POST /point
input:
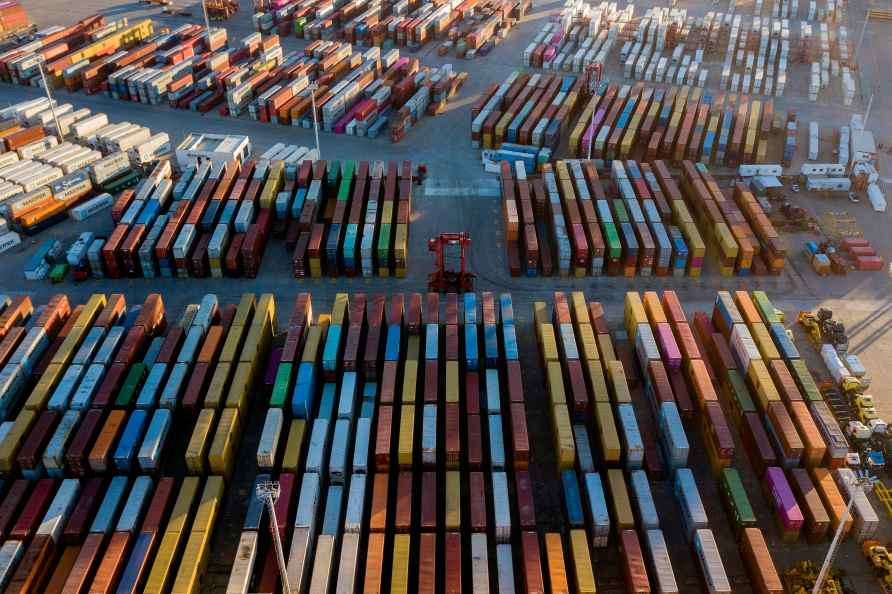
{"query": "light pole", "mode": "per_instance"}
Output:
(593, 80)
(856, 485)
(268, 493)
(49, 97)
(207, 21)
(313, 88)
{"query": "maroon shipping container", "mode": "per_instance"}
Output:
(157, 511)
(29, 456)
(626, 354)
(722, 357)
(82, 514)
(475, 443)
(431, 313)
(578, 391)
(403, 510)
(714, 419)
(472, 392)
(87, 560)
(515, 381)
(532, 564)
(526, 510)
(452, 560)
(15, 498)
(33, 569)
(388, 382)
(413, 314)
(451, 343)
(195, 389)
(659, 381)
(520, 439)
(756, 443)
(372, 351)
(681, 393)
(452, 439)
(171, 345)
(351, 348)
(634, 567)
(383, 439)
(427, 564)
(477, 500)
(36, 505)
(451, 311)
(431, 381)
(429, 501)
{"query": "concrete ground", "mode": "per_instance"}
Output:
(459, 196)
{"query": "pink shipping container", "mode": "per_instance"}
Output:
(789, 516)
(668, 346)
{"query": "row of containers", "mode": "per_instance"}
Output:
(620, 121)
(215, 218)
(469, 27)
(108, 535)
(640, 438)
(363, 93)
(44, 180)
(412, 468)
(97, 394)
(563, 222)
(653, 46)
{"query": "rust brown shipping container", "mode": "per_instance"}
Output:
(817, 520)
(111, 564)
(378, 514)
(76, 455)
(754, 551)
(452, 436)
(32, 570)
(403, 509)
(475, 442)
(99, 458)
(427, 564)
(452, 560)
(383, 439)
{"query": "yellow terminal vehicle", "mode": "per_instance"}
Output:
(880, 560)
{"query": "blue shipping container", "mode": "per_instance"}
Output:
(644, 501)
(431, 341)
(304, 388)
(572, 499)
(125, 454)
(472, 356)
(394, 338)
(105, 516)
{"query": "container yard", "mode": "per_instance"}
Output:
(636, 340)
(360, 93)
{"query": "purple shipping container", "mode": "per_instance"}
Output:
(269, 375)
(785, 504)
(668, 347)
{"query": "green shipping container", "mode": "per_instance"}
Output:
(611, 238)
(737, 501)
(132, 384)
(384, 245)
(620, 214)
(299, 25)
(281, 386)
(766, 309)
(739, 393)
(333, 178)
(805, 381)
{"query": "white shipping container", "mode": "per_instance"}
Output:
(353, 520)
(302, 546)
(501, 507)
(60, 508)
(660, 562)
(479, 564)
(243, 564)
(348, 564)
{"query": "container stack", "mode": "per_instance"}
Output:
(526, 110)
(337, 218)
(565, 221)
(376, 408)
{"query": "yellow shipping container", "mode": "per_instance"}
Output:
(579, 308)
(608, 436)
(294, 446)
(91, 310)
(221, 456)
(565, 445)
(654, 308)
(242, 385)
(45, 385)
(70, 344)
(208, 505)
(680, 213)
(232, 344)
(245, 311)
(605, 345)
(275, 178)
(312, 345)
(399, 577)
(541, 314)
(582, 562)
(452, 381)
(410, 381)
(619, 499)
(762, 384)
(193, 561)
(217, 390)
(616, 375)
(633, 314)
(413, 348)
(453, 500)
(554, 380)
(200, 441)
(14, 439)
(187, 495)
(257, 341)
(162, 567)
(267, 304)
(764, 342)
(405, 448)
(549, 342)
(339, 309)
(596, 380)
(588, 344)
